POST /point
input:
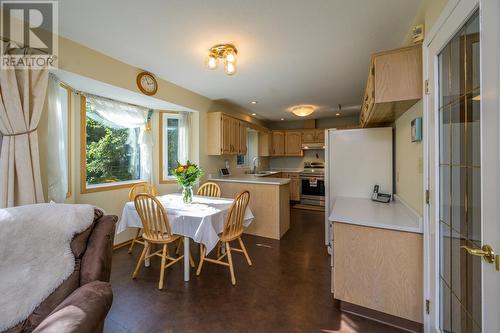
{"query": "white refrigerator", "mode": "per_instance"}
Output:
(356, 160)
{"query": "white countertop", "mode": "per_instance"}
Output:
(269, 180)
(396, 215)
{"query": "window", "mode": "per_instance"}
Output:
(110, 143)
(174, 131)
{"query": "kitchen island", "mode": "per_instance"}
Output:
(269, 202)
(378, 260)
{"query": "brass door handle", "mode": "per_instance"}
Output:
(486, 252)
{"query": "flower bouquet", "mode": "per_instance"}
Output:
(187, 175)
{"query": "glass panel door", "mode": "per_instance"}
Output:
(460, 181)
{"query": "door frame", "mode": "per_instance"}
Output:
(452, 18)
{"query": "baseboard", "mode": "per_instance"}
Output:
(122, 244)
(401, 323)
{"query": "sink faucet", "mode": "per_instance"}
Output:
(255, 159)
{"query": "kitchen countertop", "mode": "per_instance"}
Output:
(396, 215)
(269, 180)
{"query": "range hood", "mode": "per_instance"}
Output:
(313, 146)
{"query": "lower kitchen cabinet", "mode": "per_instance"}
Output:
(294, 184)
(379, 269)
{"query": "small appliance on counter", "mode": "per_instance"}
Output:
(380, 197)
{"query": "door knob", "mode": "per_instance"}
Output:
(486, 252)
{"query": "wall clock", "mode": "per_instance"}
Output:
(147, 84)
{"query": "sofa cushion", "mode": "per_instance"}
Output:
(83, 311)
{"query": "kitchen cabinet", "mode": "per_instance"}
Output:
(264, 143)
(225, 135)
(242, 149)
(278, 143)
(293, 143)
(394, 84)
(313, 136)
(362, 255)
(294, 185)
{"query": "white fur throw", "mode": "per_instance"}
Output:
(35, 254)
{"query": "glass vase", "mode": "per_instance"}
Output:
(187, 194)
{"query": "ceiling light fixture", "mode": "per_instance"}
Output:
(254, 114)
(253, 102)
(226, 53)
(302, 110)
(340, 109)
(282, 119)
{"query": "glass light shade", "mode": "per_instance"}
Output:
(231, 57)
(230, 68)
(302, 111)
(212, 62)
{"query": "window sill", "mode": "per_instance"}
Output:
(110, 187)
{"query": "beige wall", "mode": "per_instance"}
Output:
(409, 156)
(78, 59)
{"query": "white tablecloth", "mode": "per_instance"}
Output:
(202, 220)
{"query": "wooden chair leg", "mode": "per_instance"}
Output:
(230, 260)
(191, 260)
(202, 258)
(242, 246)
(162, 269)
(141, 259)
(179, 246)
(134, 240)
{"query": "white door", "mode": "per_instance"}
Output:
(462, 168)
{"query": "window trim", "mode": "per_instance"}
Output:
(83, 159)
(69, 92)
(160, 129)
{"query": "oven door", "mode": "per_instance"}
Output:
(312, 192)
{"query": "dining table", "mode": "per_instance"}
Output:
(202, 220)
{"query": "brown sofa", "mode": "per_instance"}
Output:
(81, 303)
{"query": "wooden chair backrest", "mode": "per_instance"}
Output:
(153, 216)
(142, 188)
(234, 221)
(209, 189)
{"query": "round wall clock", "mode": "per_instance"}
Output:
(146, 83)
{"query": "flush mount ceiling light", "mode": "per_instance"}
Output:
(302, 110)
(225, 53)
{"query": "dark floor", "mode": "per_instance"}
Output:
(286, 290)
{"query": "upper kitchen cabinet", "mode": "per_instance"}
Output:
(242, 138)
(394, 85)
(264, 143)
(277, 143)
(225, 135)
(293, 143)
(313, 136)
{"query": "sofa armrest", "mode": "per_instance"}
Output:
(96, 261)
(81, 312)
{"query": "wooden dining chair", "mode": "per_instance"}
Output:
(233, 228)
(209, 189)
(136, 189)
(156, 231)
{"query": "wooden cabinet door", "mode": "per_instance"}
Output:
(264, 144)
(320, 135)
(294, 186)
(243, 139)
(278, 139)
(293, 143)
(226, 134)
(235, 135)
(309, 136)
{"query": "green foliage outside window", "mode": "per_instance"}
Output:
(110, 157)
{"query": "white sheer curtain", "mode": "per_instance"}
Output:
(184, 133)
(57, 141)
(122, 115)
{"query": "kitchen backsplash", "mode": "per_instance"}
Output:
(296, 162)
